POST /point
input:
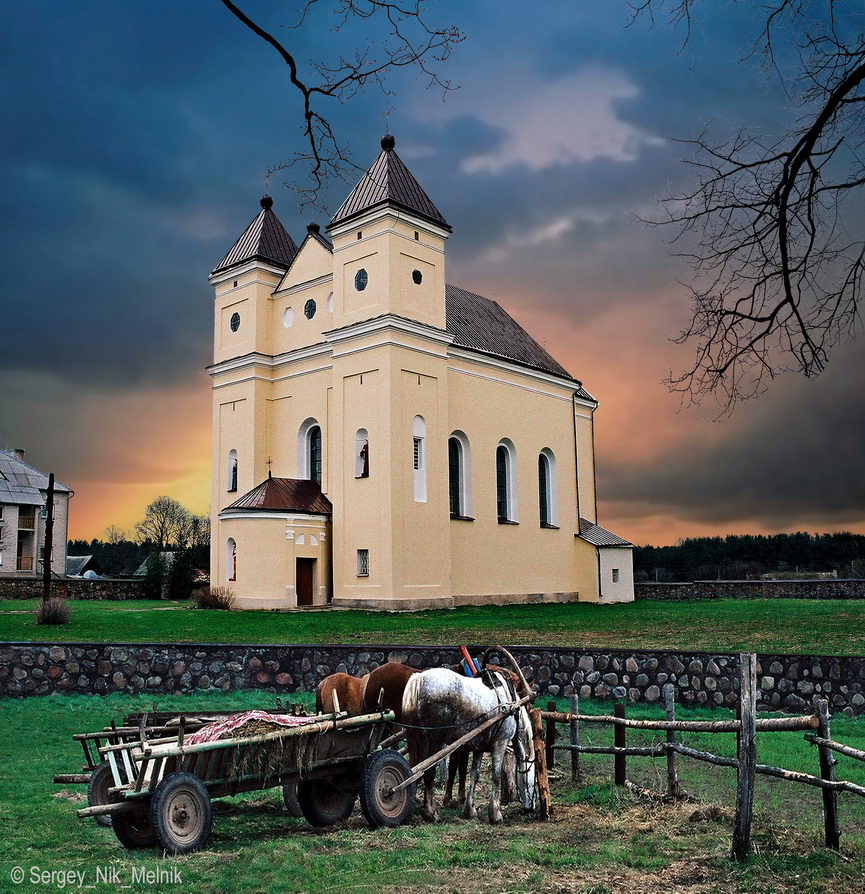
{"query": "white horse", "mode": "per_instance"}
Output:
(439, 706)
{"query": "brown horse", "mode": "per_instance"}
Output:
(387, 683)
(348, 691)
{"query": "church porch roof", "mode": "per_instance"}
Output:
(284, 495)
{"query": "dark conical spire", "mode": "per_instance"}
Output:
(389, 182)
(265, 239)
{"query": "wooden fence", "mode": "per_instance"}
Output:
(746, 726)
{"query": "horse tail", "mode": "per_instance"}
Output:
(411, 695)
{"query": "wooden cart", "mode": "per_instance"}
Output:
(162, 787)
(96, 771)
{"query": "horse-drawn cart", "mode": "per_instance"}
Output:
(161, 788)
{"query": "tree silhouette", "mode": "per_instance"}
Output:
(768, 227)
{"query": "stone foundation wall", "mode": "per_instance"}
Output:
(785, 682)
(853, 588)
(72, 588)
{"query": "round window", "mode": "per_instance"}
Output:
(234, 322)
(417, 277)
(361, 278)
(309, 309)
(288, 317)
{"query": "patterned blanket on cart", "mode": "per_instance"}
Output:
(256, 721)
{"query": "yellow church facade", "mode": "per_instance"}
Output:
(385, 440)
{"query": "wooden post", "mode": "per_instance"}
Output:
(575, 738)
(550, 737)
(619, 742)
(746, 770)
(672, 756)
(49, 538)
(545, 809)
(827, 771)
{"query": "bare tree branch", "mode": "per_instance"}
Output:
(410, 40)
(778, 273)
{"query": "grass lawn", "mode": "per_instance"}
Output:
(601, 841)
(827, 627)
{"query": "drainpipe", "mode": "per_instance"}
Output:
(576, 454)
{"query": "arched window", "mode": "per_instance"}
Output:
(231, 560)
(232, 470)
(418, 441)
(506, 478)
(309, 452)
(547, 494)
(361, 454)
(460, 475)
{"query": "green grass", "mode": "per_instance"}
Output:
(829, 627)
(601, 840)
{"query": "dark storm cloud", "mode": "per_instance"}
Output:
(794, 459)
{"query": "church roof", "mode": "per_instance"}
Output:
(285, 495)
(265, 239)
(388, 182)
(598, 536)
(483, 325)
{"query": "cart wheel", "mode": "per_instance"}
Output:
(326, 801)
(289, 796)
(97, 791)
(180, 813)
(132, 828)
(381, 806)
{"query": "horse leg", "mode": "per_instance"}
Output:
(428, 811)
(453, 764)
(464, 769)
(509, 782)
(497, 757)
(469, 811)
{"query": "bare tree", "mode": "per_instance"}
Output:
(768, 226)
(410, 40)
(114, 534)
(166, 522)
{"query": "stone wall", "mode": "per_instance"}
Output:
(72, 588)
(853, 588)
(785, 682)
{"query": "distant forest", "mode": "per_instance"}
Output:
(748, 556)
(123, 558)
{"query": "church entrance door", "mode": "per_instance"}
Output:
(304, 578)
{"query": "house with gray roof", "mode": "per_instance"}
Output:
(23, 512)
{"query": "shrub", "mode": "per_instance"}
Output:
(221, 598)
(52, 610)
(181, 576)
(154, 576)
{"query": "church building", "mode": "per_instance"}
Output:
(385, 440)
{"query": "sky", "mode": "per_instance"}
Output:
(136, 142)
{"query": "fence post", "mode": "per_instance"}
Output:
(672, 756)
(550, 737)
(543, 783)
(619, 742)
(746, 770)
(827, 771)
(575, 738)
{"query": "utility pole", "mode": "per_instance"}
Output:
(49, 539)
